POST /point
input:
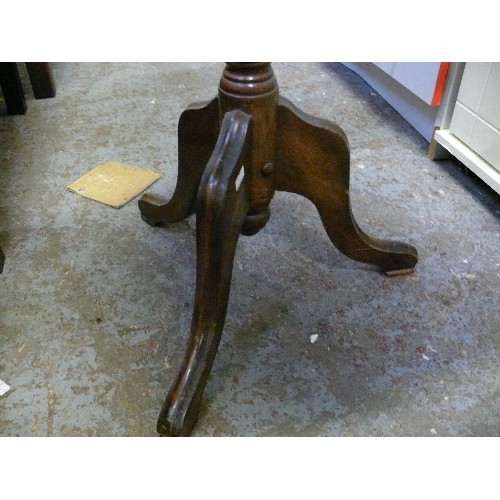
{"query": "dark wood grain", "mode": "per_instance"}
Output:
(221, 211)
(252, 87)
(197, 134)
(313, 161)
(278, 148)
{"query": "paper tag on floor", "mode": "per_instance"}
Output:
(114, 183)
(3, 387)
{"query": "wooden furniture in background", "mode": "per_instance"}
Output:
(12, 89)
(234, 153)
(41, 81)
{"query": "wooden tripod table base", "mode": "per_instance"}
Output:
(234, 153)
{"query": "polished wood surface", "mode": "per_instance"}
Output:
(313, 161)
(221, 210)
(252, 87)
(198, 130)
(228, 174)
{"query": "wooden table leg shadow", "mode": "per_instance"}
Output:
(234, 153)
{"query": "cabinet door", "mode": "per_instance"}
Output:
(425, 79)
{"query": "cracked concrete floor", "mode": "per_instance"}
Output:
(96, 305)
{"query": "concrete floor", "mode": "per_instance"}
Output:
(96, 305)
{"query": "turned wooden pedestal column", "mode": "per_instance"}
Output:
(234, 153)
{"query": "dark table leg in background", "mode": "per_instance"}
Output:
(12, 88)
(41, 80)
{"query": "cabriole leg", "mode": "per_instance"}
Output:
(222, 206)
(313, 161)
(198, 130)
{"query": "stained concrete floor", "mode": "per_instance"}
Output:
(96, 305)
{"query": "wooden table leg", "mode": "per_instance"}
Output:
(278, 148)
(313, 161)
(41, 80)
(221, 210)
(198, 130)
(12, 88)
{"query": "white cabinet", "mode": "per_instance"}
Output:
(455, 106)
(424, 79)
(413, 89)
(470, 120)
